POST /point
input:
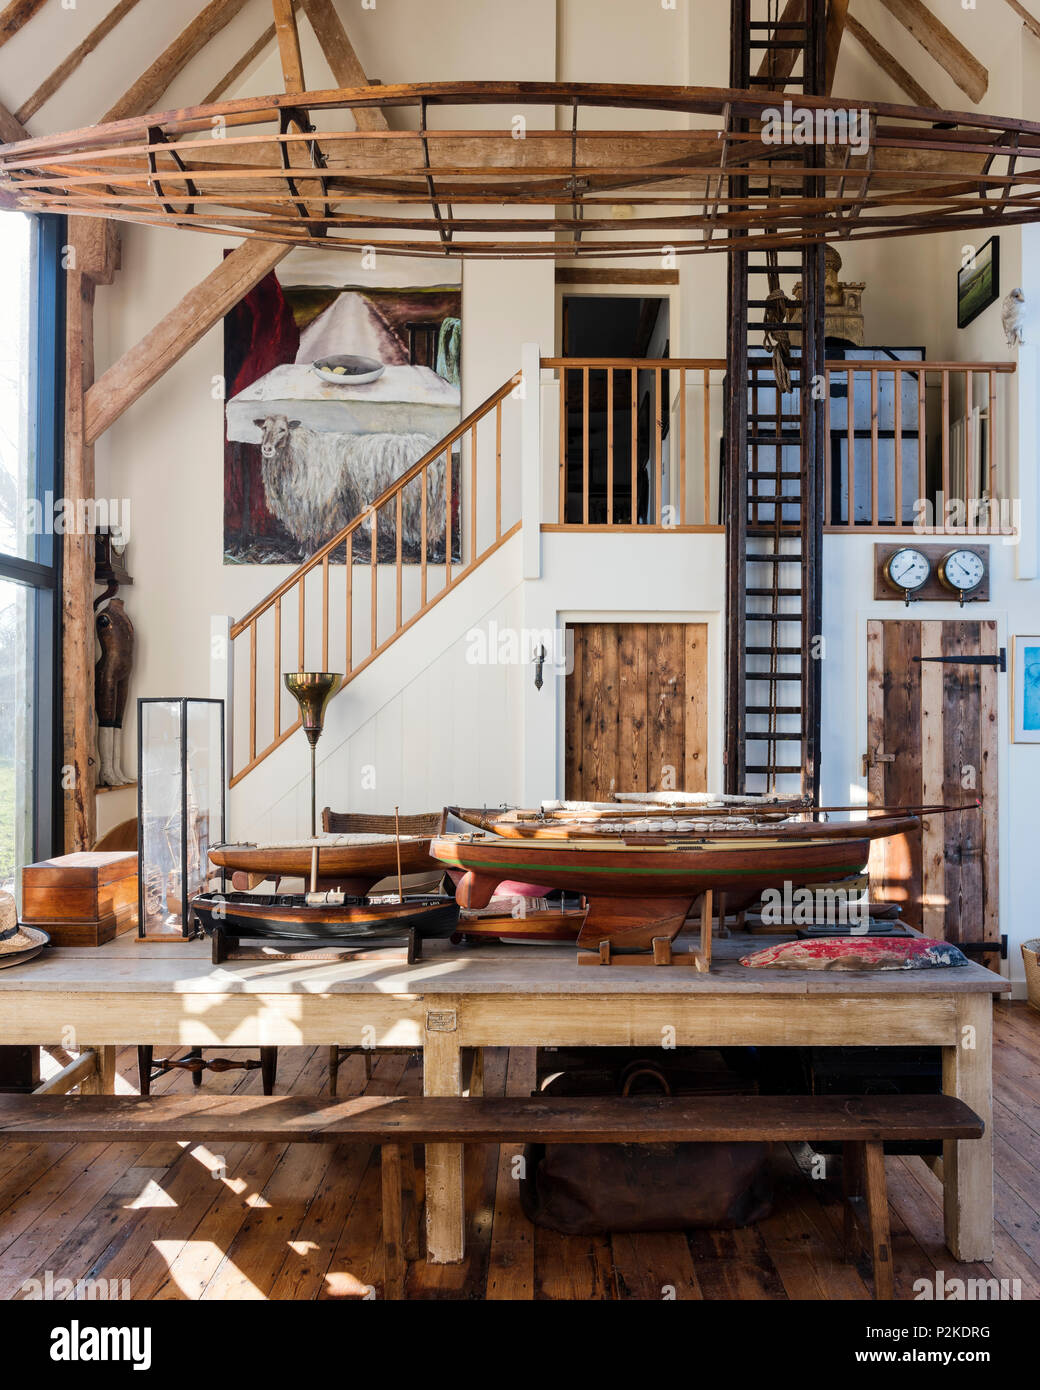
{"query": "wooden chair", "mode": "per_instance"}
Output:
(148, 1069)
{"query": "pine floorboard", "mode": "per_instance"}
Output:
(303, 1221)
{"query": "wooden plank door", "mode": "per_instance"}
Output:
(931, 730)
(636, 709)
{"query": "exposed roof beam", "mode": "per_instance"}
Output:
(64, 71)
(837, 14)
(341, 58)
(11, 129)
(780, 63)
(1031, 23)
(149, 88)
(13, 16)
(200, 309)
(937, 41)
(248, 58)
(887, 63)
(288, 45)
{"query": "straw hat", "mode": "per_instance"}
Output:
(15, 941)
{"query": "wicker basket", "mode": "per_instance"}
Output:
(1031, 956)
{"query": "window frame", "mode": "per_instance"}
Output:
(42, 575)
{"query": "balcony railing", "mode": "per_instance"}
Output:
(639, 443)
(923, 446)
(916, 445)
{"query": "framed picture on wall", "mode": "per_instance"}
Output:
(338, 380)
(978, 283)
(1025, 689)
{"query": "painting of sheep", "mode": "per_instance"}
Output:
(305, 456)
(317, 481)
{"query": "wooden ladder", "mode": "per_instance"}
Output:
(775, 446)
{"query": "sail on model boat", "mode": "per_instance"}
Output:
(642, 885)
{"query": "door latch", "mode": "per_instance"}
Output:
(875, 756)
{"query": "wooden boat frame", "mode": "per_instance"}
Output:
(277, 177)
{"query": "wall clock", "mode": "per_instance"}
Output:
(906, 570)
(961, 571)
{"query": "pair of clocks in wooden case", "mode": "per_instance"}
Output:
(908, 570)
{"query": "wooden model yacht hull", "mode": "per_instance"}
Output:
(641, 890)
(352, 868)
(290, 917)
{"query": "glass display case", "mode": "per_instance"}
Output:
(180, 807)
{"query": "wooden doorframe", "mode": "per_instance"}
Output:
(716, 676)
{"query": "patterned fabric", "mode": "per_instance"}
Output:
(858, 953)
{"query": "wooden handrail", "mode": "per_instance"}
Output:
(395, 487)
(708, 363)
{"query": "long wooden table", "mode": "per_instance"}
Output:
(517, 996)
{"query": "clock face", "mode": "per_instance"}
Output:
(962, 570)
(908, 568)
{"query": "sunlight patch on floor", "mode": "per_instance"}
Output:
(343, 1285)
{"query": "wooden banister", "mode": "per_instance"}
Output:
(387, 512)
(385, 496)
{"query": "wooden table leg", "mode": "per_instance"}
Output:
(442, 1076)
(393, 1232)
(103, 1080)
(876, 1191)
(968, 1163)
(852, 1188)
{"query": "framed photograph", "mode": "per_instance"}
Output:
(978, 284)
(1025, 689)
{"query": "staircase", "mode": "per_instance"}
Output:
(775, 449)
(356, 596)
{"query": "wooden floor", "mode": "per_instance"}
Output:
(303, 1221)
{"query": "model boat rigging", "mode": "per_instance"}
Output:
(641, 882)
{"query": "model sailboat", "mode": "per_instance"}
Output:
(642, 870)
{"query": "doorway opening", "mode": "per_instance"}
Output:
(621, 413)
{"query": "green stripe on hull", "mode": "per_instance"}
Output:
(535, 869)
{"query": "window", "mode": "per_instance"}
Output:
(31, 394)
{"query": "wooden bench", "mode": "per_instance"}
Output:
(860, 1123)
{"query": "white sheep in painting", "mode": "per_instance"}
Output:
(316, 481)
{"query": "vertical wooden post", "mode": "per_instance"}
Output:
(442, 1076)
(393, 1233)
(531, 459)
(968, 1163)
(92, 259)
(102, 1081)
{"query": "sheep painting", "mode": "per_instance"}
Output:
(317, 481)
(305, 456)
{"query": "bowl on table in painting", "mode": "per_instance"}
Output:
(348, 370)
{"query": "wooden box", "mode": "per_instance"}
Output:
(81, 899)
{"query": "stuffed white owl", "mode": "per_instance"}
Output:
(1012, 316)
